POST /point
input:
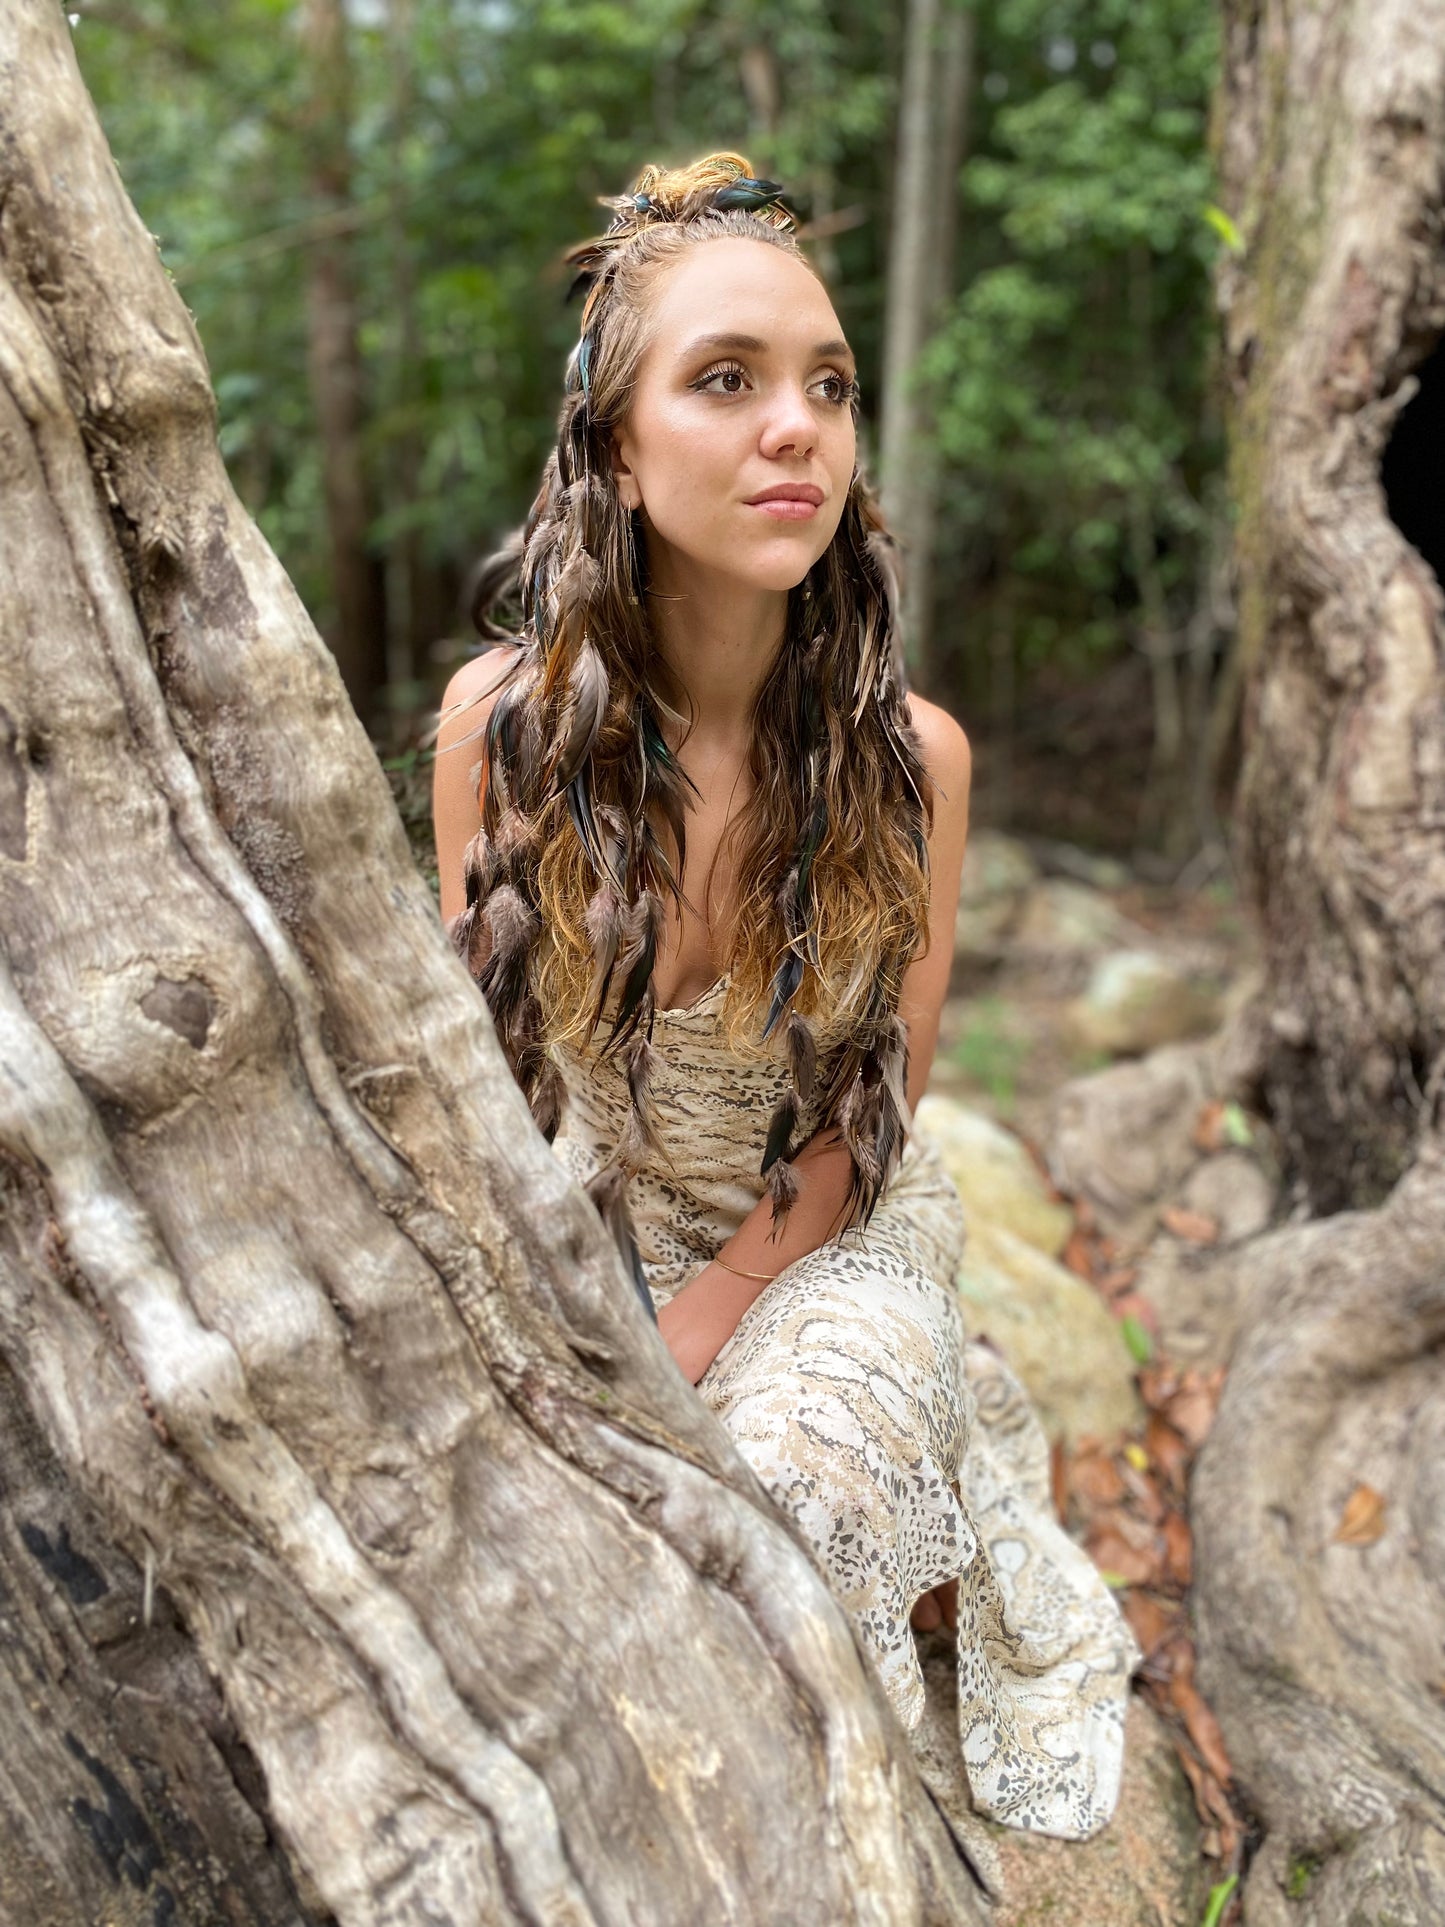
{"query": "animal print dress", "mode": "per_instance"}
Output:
(907, 1453)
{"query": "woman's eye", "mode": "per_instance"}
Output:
(844, 387)
(730, 371)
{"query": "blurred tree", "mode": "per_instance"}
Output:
(358, 634)
(932, 129)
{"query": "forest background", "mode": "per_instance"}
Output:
(363, 203)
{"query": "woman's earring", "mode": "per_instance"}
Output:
(632, 551)
(808, 586)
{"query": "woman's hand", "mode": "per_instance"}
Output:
(936, 1607)
(689, 1332)
(697, 1321)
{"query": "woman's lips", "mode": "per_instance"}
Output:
(786, 508)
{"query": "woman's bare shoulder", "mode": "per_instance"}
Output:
(468, 698)
(945, 748)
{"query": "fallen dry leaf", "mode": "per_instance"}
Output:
(1112, 1551)
(1211, 1802)
(1158, 1382)
(1078, 1254)
(1150, 1618)
(1144, 1490)
(1114, 1283)
(1178, 1549)
(1208, 1132)
(1201, 1726)
(1094, 1479)
(1059, 1479)
(1193, 1226)
(1190, 1410)
(1169, 1452)
(1363, 1520)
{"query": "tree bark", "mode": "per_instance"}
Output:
(1322, 1653)
(309, 1342)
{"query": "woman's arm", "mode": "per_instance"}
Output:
(456, 810)
(697, 1320)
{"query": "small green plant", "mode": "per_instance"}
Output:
(989, 1053)
(1219, 1900)
(1136, 1337)
(1302, 1870)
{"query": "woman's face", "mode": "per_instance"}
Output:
(744, 387)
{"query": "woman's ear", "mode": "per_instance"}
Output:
(628, 493)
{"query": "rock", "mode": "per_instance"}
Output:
(1135, 1001)
(1053, 1329)
(996, 1177)
(1144, 1869)
(1061, 916)
(1087, 866)
(1198, 1294)
(1122, 1137)
(1235, 1190)
(997, 873)
(995, 865)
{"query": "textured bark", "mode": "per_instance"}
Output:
(1331, 143)
(1323, 1658)
(301, 1317)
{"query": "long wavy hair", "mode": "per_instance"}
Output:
(585, 805)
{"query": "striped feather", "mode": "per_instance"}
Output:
(607, 1189)
(785, 985)
(781, 1127)
(588, 683)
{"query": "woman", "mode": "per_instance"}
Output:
(711, 904)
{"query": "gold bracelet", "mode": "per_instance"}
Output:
(763, 1277)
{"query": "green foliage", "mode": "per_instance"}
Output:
(990, 1049)
(1068, 371)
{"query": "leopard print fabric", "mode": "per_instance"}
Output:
(908, 1453)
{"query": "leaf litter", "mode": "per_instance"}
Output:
(1127, 1496)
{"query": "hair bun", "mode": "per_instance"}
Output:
(722, 183)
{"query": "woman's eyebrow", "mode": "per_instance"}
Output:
(753, 344)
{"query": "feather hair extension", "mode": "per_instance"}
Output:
(783, 1189)
(781, 1127)
(607, 1189)
(785, 986)
(640, 1138)
(603, 924)
(576, 591)
(582, 810)
(642, 929)
(588, 683)
(802, 1055)
(548, 1099)
(669, 783)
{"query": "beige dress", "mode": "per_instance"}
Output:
(908, 1453)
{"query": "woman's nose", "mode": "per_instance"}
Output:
(791, 423)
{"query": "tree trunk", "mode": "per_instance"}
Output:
(909, 286)
(310, 1347)
(957, 32)
(1323, 1653)
(358, 583)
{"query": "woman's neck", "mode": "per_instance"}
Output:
(720, 639)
